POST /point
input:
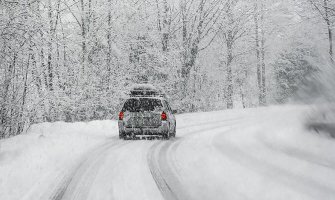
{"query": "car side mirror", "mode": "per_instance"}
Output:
(174, 111)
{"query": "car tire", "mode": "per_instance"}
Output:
(122, 135)
(166, 136)
(174, 130)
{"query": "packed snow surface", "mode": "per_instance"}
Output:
(263, 153)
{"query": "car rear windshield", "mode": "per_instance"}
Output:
(142, 104)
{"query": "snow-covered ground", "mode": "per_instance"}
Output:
(263, 153)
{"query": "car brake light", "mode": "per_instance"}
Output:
(121, 115)
(163, 116)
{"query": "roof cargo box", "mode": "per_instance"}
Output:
(145, 90)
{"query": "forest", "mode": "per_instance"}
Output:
(73, 60)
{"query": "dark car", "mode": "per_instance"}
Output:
(146, 113)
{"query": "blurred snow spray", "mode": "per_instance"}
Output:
(319, 92)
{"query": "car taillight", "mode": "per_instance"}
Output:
(121, 115)
(163, 116)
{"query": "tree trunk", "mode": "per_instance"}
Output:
(6, 95)
(83, 35)
(109, 40)
(34, 72)
(258, 54)
(11, 115)
(49, 62)
(190, 45)
(229, 43)
(184, 75)
(242, 96)
(166, 24)
(329, 27)
(21, 120)
(230, 88)
(263, 92)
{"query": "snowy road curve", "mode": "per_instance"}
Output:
(253, 154)
(88, 180)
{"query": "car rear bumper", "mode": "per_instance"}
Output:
(138, 131)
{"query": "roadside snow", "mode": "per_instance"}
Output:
(45, 152)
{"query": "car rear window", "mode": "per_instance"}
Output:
(142, 104)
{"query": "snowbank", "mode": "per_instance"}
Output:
(45, 151)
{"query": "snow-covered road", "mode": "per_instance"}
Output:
(241, 154)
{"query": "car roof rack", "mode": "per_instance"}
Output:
(146, 94)
(145, 90)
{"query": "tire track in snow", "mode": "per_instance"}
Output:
(84, 167)
(167, 182)
(71, 185)
(164, 171)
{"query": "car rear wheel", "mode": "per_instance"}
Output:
(122, 135)
(173, 132)
(166, 136)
